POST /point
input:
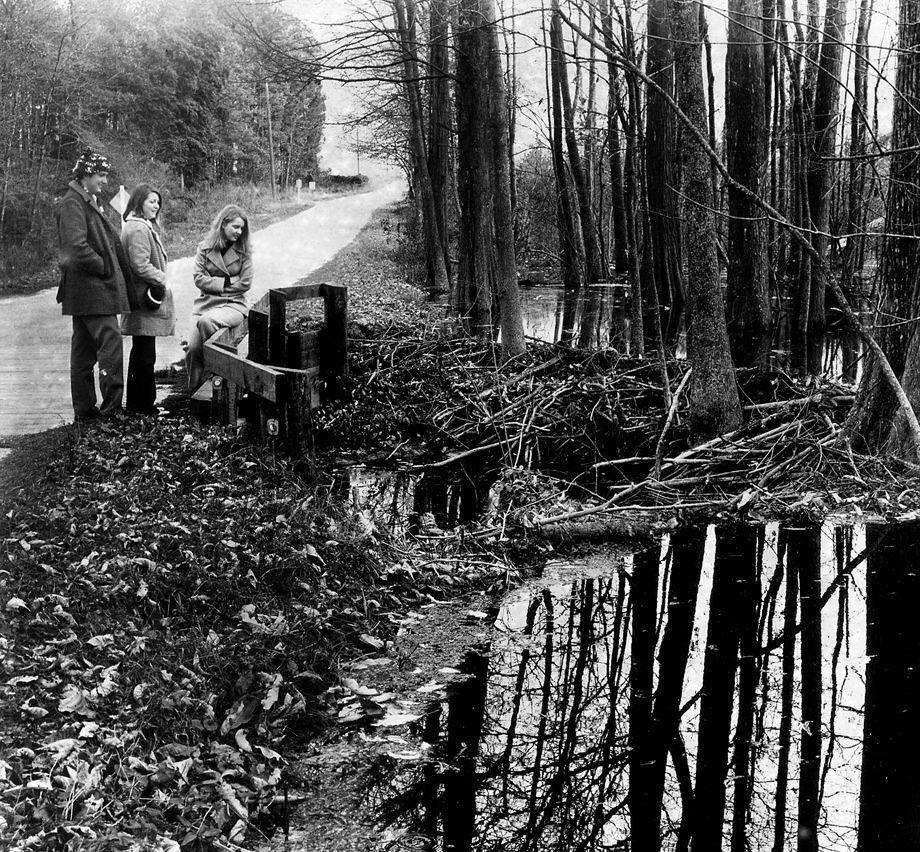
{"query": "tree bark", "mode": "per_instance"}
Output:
(474, 170)
(714, 404)
(593, 271)
(876, 423)
(659, 147)
(614, 108)
(509, 296)
(434, 252)
(570, 238)
(747, 297)
(821, 135)
(439, 119)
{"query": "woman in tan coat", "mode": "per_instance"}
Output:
(155, 315)
(223, 274)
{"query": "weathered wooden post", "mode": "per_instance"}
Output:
(258, 336)
(277, 320)
(334, 351)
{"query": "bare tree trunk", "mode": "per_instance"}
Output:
(821, 149)
(747, 297)
(434, 251)
(875, 422)
(473, 169)
(659, 152)
(714, 404)
(509, 296)
(593, 270)
(617, 197)
(439, 123)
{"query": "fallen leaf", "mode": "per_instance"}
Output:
(392, 720)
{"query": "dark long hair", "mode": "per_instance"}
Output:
(214, 238)
(137, 199)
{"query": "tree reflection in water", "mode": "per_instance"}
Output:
(709, 693)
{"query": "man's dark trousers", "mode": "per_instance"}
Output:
(91, 335)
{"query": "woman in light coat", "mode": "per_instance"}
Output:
(223, 274)
(155, 315)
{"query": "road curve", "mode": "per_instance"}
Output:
(35, 338)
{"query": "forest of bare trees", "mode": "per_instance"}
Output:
(744, 172)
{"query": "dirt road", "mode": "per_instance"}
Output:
(35, 338)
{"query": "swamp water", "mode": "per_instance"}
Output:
(785, 658)
(598, 317)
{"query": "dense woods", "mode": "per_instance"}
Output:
(176, 93)
(730, 194)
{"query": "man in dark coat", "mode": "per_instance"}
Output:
(93, 289)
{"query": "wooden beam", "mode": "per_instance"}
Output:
(297, 292)
(244, 373)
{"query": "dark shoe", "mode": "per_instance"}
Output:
(87, 416)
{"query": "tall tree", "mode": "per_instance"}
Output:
(439, 118)
(589, 239)
(434, 247)
(822, 132)
(714, 404)
(663, 271)
(474, 157)
(509, 296)
(747, 297)
(877, 422)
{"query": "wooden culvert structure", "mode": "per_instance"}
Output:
(286, 374)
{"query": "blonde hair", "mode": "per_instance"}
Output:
(214, 239)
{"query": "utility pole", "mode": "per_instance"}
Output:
(358, 147)
(271, 141)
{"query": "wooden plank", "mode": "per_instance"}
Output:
(258, 336)
(297, 292)
(261, 380)
(334, 353)
(277, 320)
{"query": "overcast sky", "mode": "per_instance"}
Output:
(329, 18)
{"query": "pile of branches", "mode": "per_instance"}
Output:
(598, 422)
(442, 399)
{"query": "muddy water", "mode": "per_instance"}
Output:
(733, 687)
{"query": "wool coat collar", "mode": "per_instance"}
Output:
(77, 187)
(133, 217)
(225, 260)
